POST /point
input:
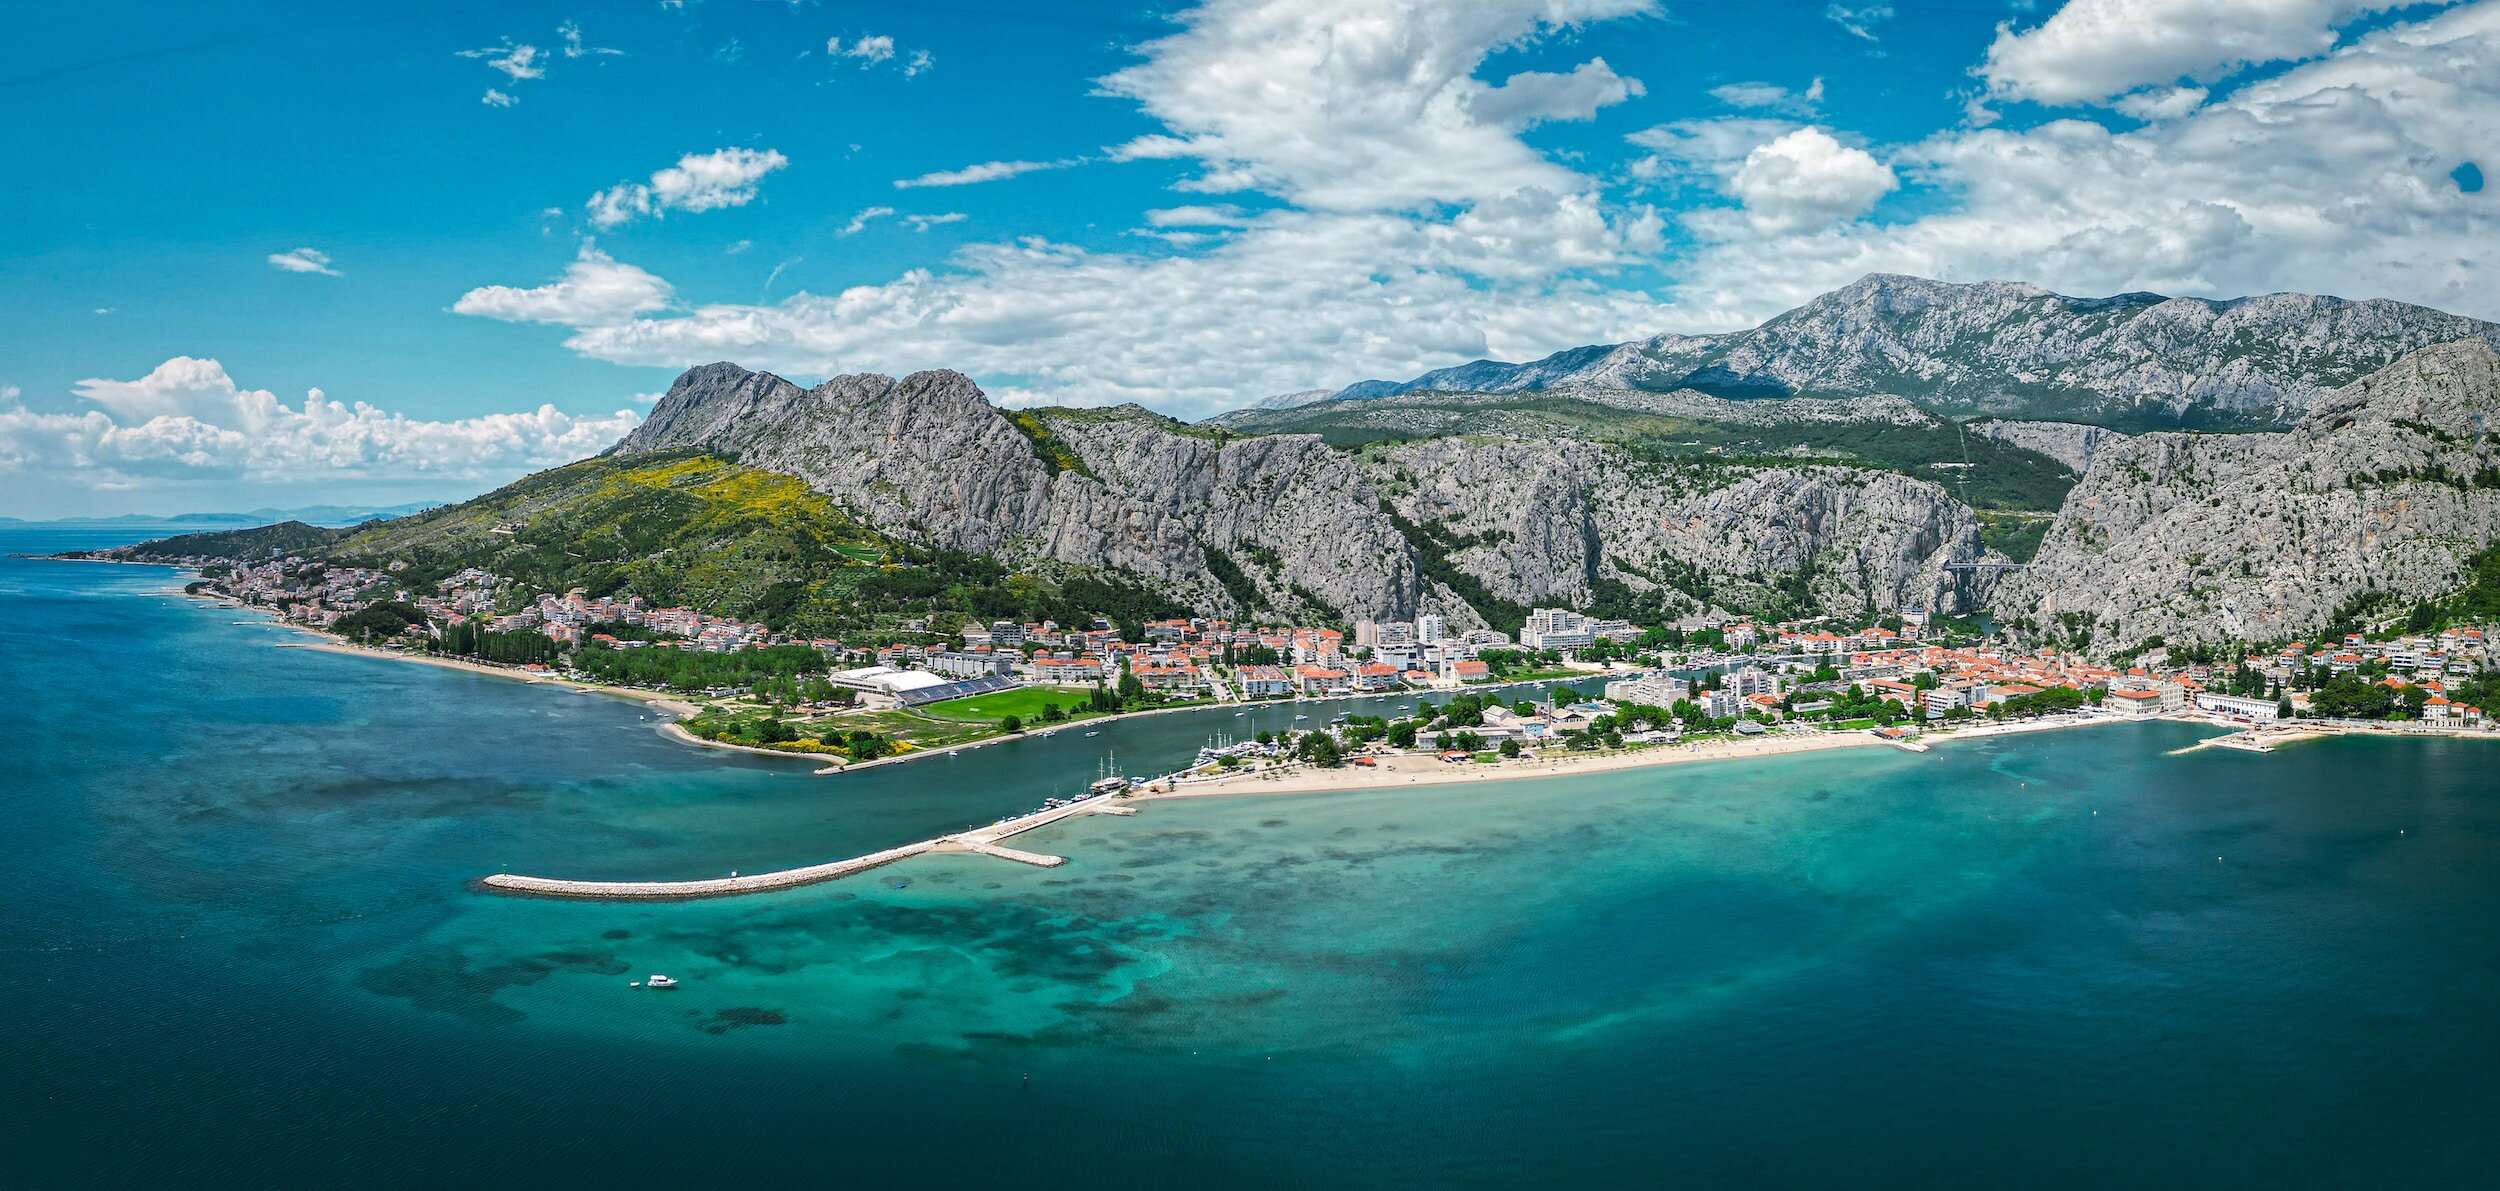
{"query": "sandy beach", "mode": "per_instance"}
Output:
(1427, 769)
(662, 700)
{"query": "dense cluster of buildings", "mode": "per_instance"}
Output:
(1759, 672)
(567, 618)
(302, 595)
(1934, 681)
(1211, 656)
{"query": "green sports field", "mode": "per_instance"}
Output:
(1024, 702)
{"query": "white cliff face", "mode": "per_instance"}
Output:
(1539, 520)
(925, 457)
(2070, 443)
(2001, 348)
(2385, 485)
(1552, 519)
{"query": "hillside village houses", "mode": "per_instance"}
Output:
(1765, 671)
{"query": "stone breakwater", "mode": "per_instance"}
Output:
(716, 887)
(981, 841)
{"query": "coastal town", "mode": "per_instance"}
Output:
(1706, 677)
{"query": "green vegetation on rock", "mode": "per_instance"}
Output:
(1047, 447)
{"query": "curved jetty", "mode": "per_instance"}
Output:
(982, 841)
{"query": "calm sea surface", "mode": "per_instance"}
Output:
(238, 949)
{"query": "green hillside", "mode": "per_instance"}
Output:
(286, 537)
(694, 529)
(676, 528)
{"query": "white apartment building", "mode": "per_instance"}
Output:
(1557, 628)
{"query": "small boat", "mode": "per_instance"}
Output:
(659, 981)
(1093, 734)
(1301, 717)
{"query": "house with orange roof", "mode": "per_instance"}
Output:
(1168, 678)
(1319, 680)
(1066, 670)
(2135, 702)
(1264, 682)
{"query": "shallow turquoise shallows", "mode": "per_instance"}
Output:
(239, 947)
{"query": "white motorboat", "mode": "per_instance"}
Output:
(659, 981)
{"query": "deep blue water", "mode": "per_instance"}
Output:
(238, 941)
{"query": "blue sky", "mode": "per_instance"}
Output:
(486, 233)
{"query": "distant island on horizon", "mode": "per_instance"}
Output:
(328, 516)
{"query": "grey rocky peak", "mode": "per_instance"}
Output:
(1477, 506)
(2130, 361)
(1571, 515)
(2385, 487)
(1315, 530)
(2070, 443)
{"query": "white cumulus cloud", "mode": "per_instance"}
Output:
(187, 421)
(698, 182)
(595, 290)
(987, 171)
(1859, 19)
(870, 49)
(516, 62)
(303, 260)
(2092, 51)
(571, 32)
(2330, 177)
(1808, 179)
(1771, 97)
(1407, 225)
(1363, 106)
(873, 50)
(1534, 97)
(861, 220)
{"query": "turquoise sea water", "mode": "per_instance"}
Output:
(239, 950)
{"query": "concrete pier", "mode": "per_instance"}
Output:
(1035, 859)
(982, 841)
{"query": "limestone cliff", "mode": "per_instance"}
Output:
(2383, 487)
(2009, 349)
(2070, 443)
(1315, 530)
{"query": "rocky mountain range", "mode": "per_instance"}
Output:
(2130, 362)
(2372, 501)
(1477, 511)
(1606, 497)
(1474, 528)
